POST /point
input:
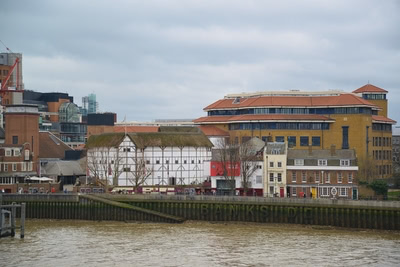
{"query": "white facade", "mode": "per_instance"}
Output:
(275, 157)
(164, 165)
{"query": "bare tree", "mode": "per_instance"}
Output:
(103, 162)
(227, 155)
(141, 172)
(248, 163)
(367, 169)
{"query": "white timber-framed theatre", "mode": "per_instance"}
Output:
(166, 158)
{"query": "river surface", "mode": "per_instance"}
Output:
(87, 243)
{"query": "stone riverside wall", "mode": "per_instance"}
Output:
(162, 208)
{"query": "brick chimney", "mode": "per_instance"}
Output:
(333, 150)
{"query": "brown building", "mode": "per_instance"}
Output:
(322, 173)
(20, 152)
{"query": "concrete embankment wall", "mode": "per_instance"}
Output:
(352, 214)
(163, 208)
(75, 207)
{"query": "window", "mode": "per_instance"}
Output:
(23, 166)
(259, 167)
(199, 161)
(279, 177)
(15, 140)
(317, 177)
(328, 178)
(291, 141)
(147, 161)
(8, 152)
(294, 178)
(316, 141)
(271, 177)
(322, 162)
(280, 139)
(6, 167)
(350, 177)
(30, 166)
(325, 191)
(303, 140)
(127, 169)
(344, 162)
(339, 177)
(343, 192)
(271, 164)
(192, 161)
(279, 164)
(127, 149)
(271, 190)
(157, 161)
(345, 137)
(166, 161)
(259, 179)
(176, 161)
(185, 161)
(304, 177)
(294, 191)
(17, 152)
(14, 167)
(299, 162)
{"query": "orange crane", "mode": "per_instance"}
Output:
(15, 67)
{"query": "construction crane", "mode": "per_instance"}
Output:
(15, 67)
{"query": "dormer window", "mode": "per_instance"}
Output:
(322, 162)
(236, 100)
(299, 162)
(8, 152)
(344, 162)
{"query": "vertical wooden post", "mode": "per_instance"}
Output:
(13, 215)
(23, 220)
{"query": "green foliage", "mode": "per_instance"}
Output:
(379, 186)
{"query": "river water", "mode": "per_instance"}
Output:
(87, 243)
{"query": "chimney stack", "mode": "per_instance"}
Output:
(333, 150)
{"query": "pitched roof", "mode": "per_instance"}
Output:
(343, 99)
(105, 140)
(321, 154)
(136, 129)
(170, 139)
(369, 88)
(382, 119)
(62, 168)
(264, 117)
(50, 146)
(159, 139)
(211, 130)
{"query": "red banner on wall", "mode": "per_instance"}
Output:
(217, 168)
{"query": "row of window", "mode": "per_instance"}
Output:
(320, 177)
(374, 96)
(157, 161)
(24, 166)
(322, 111)
(381, 127)
(384, 169)
(381, 141)
(382, 154)
(322, 162)
(278, 165)
(279, 126)
(278, 177)
(12, 152)
(324, 191)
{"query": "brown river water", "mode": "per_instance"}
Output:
(87, 243)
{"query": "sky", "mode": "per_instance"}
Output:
(148, 60)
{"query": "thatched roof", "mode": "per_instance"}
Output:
(159, 139)
(105, 140)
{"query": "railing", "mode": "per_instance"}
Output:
(267, 200)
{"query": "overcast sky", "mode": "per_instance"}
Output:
(151, 60)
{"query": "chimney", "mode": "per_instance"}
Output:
(333, 150)
(309, 150)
